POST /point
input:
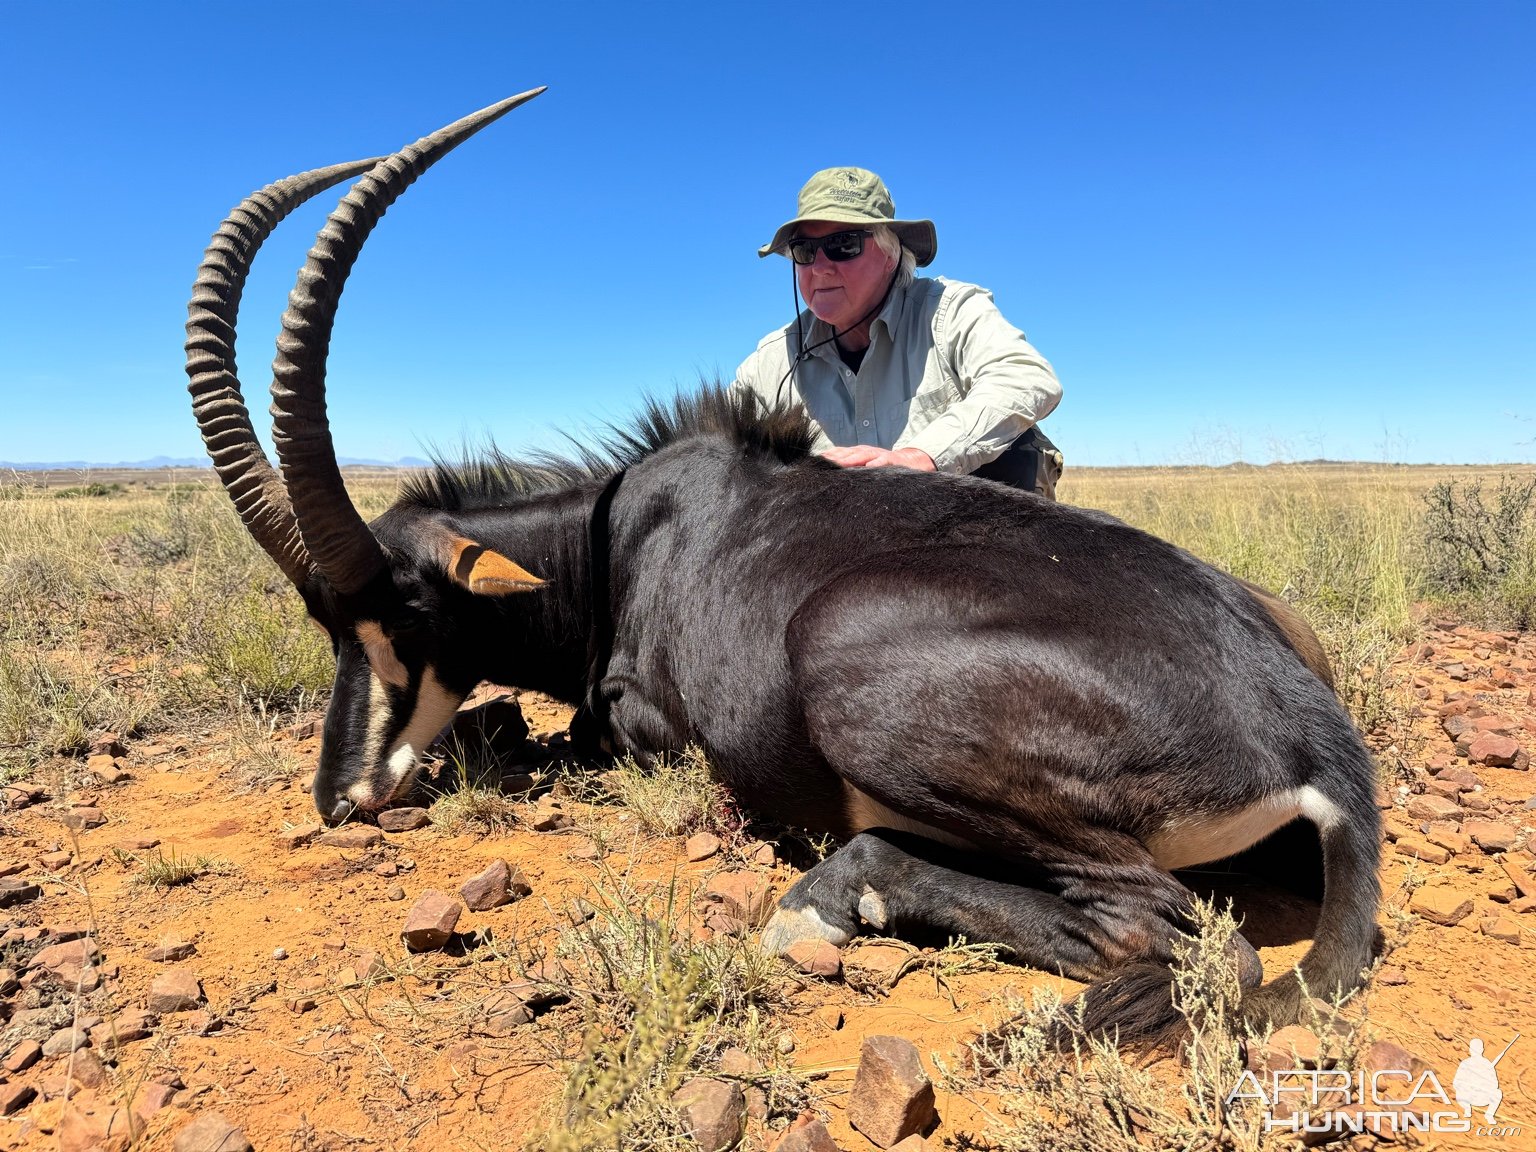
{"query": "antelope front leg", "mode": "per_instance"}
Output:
(1083, 924)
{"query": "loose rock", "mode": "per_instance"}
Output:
(806, 1134)
(13, 891)
(403, 819)
(14, 1097)
(151, 1098)
(71, 955)
(745, 895)
(499, 884)
(816, 958)
(81, 819)
(1442, 905)
(108, 744)
(1417, 848)
(90, 1123)
(128, 1027)
(65, 1041)
(23, 1056)
(1515, 865)
(172, 951)
(1490, 835)
(175, 990)
(892, 1097)
(713, 1111)
(1289, 1047)
(351, 836)
(880, 962)
(701, 846)
(430, 922)
(292, 838)
(1502, 928)
(1433, 808)
(211, 1132)
(1385, 1056)
(1494, 749)
(86, 1069)
(547, 817)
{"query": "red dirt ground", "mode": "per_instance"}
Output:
(301, 1056)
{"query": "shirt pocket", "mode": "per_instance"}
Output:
(928, 405)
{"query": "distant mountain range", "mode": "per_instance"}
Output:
(185, 462)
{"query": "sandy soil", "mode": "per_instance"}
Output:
(292, 1045)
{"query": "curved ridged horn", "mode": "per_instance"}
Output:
(339, 543)
(217, 401)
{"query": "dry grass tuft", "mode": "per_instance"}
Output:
(658, 1005)
(469, 796)
(259, 758)
(678, 797)
(1084, 1095)
(172, 871)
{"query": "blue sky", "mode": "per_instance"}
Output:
(1238, 230)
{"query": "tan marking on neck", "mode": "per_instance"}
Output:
(863, 811)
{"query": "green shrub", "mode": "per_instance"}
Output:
(1480, 548)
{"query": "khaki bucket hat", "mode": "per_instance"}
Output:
(854, 196)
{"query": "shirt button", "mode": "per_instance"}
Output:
(866, 423)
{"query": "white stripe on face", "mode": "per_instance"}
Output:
(389, 773)
(381, 655)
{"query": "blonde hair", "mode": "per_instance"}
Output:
(889, 243)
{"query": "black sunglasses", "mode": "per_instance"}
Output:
(839, 246)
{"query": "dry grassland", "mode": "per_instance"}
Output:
(136, 603)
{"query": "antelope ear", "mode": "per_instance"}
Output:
(484, 572)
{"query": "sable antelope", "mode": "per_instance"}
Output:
(1022, 715)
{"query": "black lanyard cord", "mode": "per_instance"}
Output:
(805, 353)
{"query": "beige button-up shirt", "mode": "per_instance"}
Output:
(944, 372)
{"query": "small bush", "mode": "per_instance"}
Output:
(259, 646)
(48, 709)
(1060, 1089)
(260, 760)
(1480, 548)
(88, 490)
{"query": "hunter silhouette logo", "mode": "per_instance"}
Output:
(1476, 1082)
(1383, 1100)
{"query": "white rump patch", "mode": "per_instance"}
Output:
(1188, 840)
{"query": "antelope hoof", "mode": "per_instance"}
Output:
(872, 908)
(790, 926)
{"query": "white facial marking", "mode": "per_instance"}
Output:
(1187, 840)
(395, 767)
(378, 720)
(381, 655)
